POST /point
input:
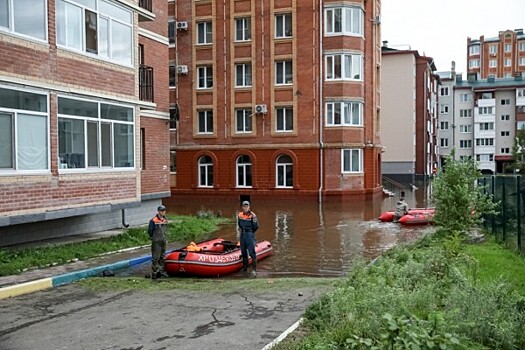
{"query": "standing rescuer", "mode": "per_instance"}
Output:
(248, 225)
(158, 232)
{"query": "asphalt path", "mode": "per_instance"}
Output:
(75, 317)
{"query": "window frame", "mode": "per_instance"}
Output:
(348, 168)
(245, 124)
(337, 65)
(244, 77)
(243, 29)
(206, 170)
(207, 35)
(283, 70)
(283, 172)
(11, 24)
(331, 18)
(205, 77)
(281, 31)
(205, 120)
(343, 106)
(282, 120)
(247, 175)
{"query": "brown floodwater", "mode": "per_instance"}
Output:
(310, 238)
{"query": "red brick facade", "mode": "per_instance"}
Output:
(314, 148)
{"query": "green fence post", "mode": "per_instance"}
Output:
(504, 210)
(518, 191)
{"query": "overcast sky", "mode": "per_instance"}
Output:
(439, 28)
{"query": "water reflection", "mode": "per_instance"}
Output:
(311, 238)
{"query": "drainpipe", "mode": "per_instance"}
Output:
(124, 223)
(320, 101)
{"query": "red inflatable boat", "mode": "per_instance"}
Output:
(216, 257)
(417, 219)
(388, 216)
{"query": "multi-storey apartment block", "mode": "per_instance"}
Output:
(499, 57)
(84, 115)
(409, 114)
(275, 99)
(485, 116)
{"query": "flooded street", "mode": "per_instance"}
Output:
(312, 239)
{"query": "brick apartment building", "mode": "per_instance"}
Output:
(84, 116)
(275, 99)
(498, 57)
(409, 115)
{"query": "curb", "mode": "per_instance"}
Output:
(66, 278)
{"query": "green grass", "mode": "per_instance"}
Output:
(205, 284)
(181, 229)
(497, 263)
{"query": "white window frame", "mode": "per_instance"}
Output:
(283, 26)
(465, 97)
(172, 31)
(505, 117)
(465, 144)
(508, 47)
(205, 170)
(243, 121)
(11, 20)
(443, 142)
(465, 129)
(113, 22)
(284, 72)
(493, 63)
(474, 63)
(443, 125)
(473, 50)
(493, 49)
(16, 114)
(204, 77)
(243, 75)
(341, 113)
(283, 172)
(243, 29)
(243, 172)
(342, 21)
(443, 109)
(508, 62)
(284, 119)
(465, 113)
(204, 33)
(444, 91)
(344, 66)
(355, 161)
(205, 120)
(522, 46)
(522, 61)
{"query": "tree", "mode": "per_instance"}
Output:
(460, 203)
(518, 151)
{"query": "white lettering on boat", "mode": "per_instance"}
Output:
(217, 258)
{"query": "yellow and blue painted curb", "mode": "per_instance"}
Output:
(66, 278)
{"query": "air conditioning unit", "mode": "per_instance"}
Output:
(182, 25)
(493, 54)
(261, 109)
(183, 69)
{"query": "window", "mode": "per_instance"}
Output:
(95, 135)
(344, 113)
(465, 97)
(243, 30)
(473, 63)
(485, 110)
(283, 73)
(508, 47)
(493, 49)
(508, 62)
(465, 113)
(204, 77)
(24, 132)
(443, 109)
(174, 116)
(25, 18)
(505, 101)
(205, 122)
(465, 158)
(443, 125)
(173, 161)
(505, 133)
(205, 171)
(352, 160)
(493, 63)
(204, 33)
(243, 75)
(473, 50)
(243, 120)
(505, 117)
(522, 46)
(465, 129)
(465, 143)
(485, 157)
(522, 61)
(98, 27)
(505, 150)
(344, 20)
(284, 119)
(484, 142)
(284, 172)
(444, 91)
(486, 126)
(244, 171)
(172, 31)
(344, 67)
(521, 92)
(283, 25)
(443, 142)
(507, 75)
(173, 74)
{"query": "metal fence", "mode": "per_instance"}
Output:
(507, 225)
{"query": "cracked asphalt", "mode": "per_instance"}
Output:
(74, 317)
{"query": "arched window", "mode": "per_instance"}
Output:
(205, 171)
(244, 171)
(284, 171)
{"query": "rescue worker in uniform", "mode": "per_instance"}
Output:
(401, 209)
(158, 232)
(248, 225)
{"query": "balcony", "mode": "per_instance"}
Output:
(146, 83)
(146, 4)
(145, 10)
